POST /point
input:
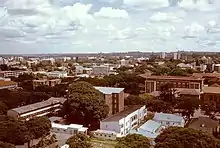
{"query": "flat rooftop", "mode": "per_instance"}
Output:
(39, 105)
(4, 83)
(211, 90)
(109, 90)
(122, 114)
(172, 78)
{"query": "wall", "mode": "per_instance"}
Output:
(12, 113)
(105, 136)
(110, 126)
(108, 101)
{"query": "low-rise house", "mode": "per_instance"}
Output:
(57, 74)
(125, 120)
(68, 129)
(151, 129)
(50, 83)
(37, 109)
(7, 74)
(101, 70)
(169, 119)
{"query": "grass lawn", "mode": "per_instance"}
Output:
(97, 143)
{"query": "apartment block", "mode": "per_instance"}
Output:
(114, 98)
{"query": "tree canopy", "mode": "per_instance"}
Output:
(38, 126)
(177, 137)
(79, 141)
(14, 132)
(133, 141)
(85, 105)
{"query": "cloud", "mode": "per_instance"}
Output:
(108, 25)
(111, 13)
(164, 17)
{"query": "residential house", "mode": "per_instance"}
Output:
(57, 74)
(169, 119)
(150, 129)
(68, 129)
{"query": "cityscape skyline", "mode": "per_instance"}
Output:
(106, 26)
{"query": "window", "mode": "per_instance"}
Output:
(122, 126)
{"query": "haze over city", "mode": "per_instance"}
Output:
(74, 26)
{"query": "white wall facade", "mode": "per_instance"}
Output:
(171, 123)
(124, 125)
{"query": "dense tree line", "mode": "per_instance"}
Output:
(12, 99)
(178, 137)
(18, 132)
(79, 141)
(130, 81)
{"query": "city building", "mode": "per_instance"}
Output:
(7, 84)
(37, 109)
(123, 122)
(101, 70)
(124, 62)
(114, 98)
(57, 74)
(153, 83)
(211, 94)
(68, 129)
(217, 67)
(163, 55)
(7, 74)
(150, 129)
(169, 119)
(46, 82)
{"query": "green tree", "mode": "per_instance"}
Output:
(85, 105)
(134, 100)
(177, 137)
(39, 126)
(6, 145)
(188, 105)
(79, 141)
(3, 108)
(13, 131)
(133, 141)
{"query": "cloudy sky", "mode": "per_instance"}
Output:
(79, 26)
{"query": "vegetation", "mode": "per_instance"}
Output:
(79, 141)
(177, 137)
(38, 127)
(6, 145)
(133, 141)
(85, 105)
(47, 141)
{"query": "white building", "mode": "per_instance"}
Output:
(57, 74)
(169, 119)
(68, 129)
(79, 69)
(124, 121)
(150, 129)
(124, 62)
(101, 70)
(163, 55)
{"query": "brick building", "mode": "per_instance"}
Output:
(50, 83)
(114, 98)
(153, 83)
(211, 94)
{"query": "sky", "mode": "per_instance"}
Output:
(81, 26)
